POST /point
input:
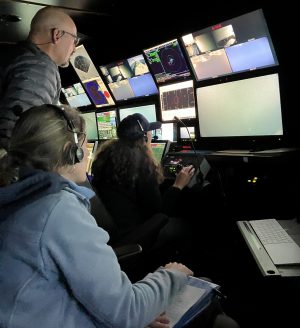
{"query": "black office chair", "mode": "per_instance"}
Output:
(141, 237)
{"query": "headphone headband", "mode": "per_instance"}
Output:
(144, 132)
(76, 152)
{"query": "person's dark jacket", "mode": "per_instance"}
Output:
(130, 206)
(28, 77)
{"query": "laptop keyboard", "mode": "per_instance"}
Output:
(280, 246)
(270, 231)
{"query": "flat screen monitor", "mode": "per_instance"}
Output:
(187, 133)
(129, 78)
(149, 111)
(91, 125)
(177, 99)
(168, 131)
(160, 149)
(107, 124)
(76, 96)
(236, 45)
(89, 76)
(97, 91)
(167, 62)
(244, 108)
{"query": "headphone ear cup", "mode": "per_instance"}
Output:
(79, 154)
(75, 154)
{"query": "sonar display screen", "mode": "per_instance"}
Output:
(167, 62)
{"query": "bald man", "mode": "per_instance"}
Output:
(29, 74)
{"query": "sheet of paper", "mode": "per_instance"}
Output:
(182, 302)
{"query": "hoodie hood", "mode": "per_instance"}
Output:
(32, 185)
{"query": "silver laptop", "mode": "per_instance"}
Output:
(280, 246)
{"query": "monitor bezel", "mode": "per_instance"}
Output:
(253, 142)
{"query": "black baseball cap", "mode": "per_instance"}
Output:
(135, 126)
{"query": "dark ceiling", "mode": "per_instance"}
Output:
(117, 28)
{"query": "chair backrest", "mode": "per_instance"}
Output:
(101, 214)
(144, 234)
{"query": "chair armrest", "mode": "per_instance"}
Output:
(126, 251)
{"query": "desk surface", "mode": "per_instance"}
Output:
(276, 152)
(264, 262)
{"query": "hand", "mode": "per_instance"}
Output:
(184, 176)
(179, 267)
(160, 322)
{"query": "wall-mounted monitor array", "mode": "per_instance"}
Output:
(246, 105)
(76, 96)
(167, 62)
(129, 78)
(107, 124)
(236, 45)
(243, 108)
(89, 76)
(177, 99)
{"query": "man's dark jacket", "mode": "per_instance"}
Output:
(28, 77)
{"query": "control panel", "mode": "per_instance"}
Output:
(173, 162)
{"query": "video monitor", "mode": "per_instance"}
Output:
(168, 131)
(187, 133)
(97, 91)
(129, 78)
(76, 96)
(149, 111)
(243, 108)
(107, 124)
(233, 46)
(91, 125)
(90, 78)
(177, 99)
(167, 62)
(160, 149)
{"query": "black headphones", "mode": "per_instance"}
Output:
(76, 153)
(144, 132)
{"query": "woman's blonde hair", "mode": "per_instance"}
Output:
(42, 139)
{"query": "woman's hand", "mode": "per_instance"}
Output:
(160, 322)
(179, 267)
(184, 176)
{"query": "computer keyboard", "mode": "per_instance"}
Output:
(270, 231)
(280, 246)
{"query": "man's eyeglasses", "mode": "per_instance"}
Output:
(76, 38)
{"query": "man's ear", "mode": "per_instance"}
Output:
(56, 35)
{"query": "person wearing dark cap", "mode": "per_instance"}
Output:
(135, 126)
(127, 178)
